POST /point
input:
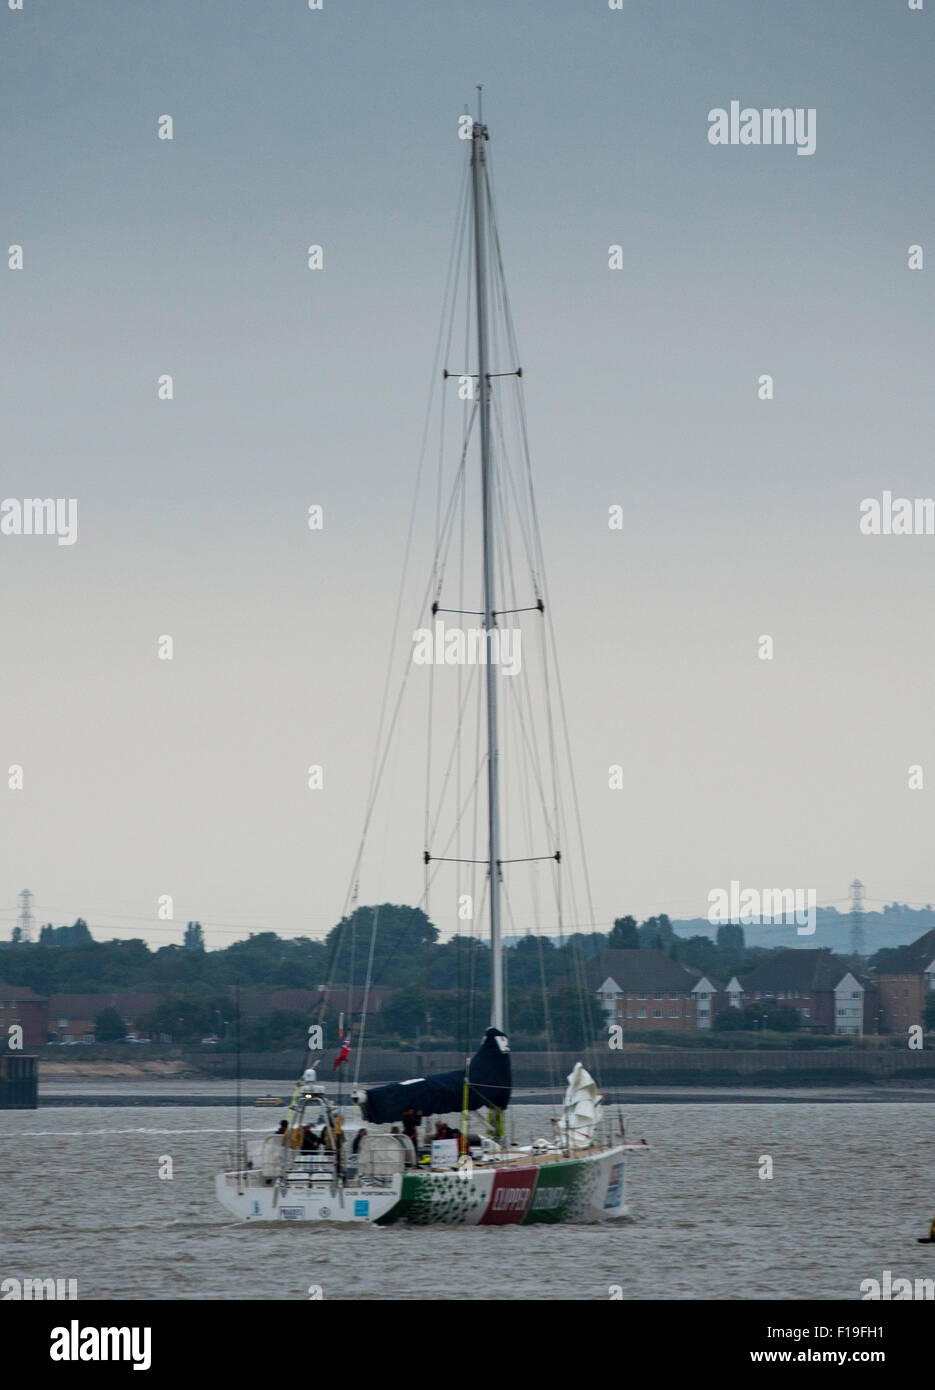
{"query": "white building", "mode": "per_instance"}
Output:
(608, 995)
(703, 994)
(849, 1006)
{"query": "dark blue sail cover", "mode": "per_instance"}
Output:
(489, 1083)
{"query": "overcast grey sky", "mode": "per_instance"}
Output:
(291, 127)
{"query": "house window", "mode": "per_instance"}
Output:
(673, 996)
(674, 1013)
(629, 1013)
(806, 1013)
(641, 1013)
(856, 994)
(63, 1023)
(641, 996)
(657, 1013)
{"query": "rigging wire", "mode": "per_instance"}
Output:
(447, 310)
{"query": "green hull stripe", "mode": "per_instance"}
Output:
(563, 1191)
(444, 1198)
(558, 1192)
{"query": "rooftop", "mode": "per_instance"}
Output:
(88, 1006)
(19, 993)
(911, 959)
(639, 969)
(799, 970)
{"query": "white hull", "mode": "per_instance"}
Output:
(516, 1189)
(253, 1198)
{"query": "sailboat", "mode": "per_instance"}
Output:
(323, 1166)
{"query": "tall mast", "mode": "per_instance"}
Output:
(479, 136)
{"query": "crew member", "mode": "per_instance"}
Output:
(411, 1120)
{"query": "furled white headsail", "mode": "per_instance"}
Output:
(582, 1109)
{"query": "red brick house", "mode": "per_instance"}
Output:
(906, 978)
(21, 1005)
(821, 988)
(645, 989)
(71, 1017)
(260, 1003)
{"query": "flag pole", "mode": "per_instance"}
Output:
(463, 1147)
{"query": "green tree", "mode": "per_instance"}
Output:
(577, 1018)
(780, 1018)
(701, 953)
(76, 935)
(402, 945)
(730, 937)
(194, 937)
(624, 935)
(586, 944)
(774, 1018)
(531, 959)
(109, 1026)
(527, 1013)
(405, 1013)
(281, 1031)
(657, 933)
(183, 1020)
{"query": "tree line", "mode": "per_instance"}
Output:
(440, 988)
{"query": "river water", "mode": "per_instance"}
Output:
(853, 1185)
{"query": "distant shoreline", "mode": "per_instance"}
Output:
(655, 1070)
(613, 1096)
